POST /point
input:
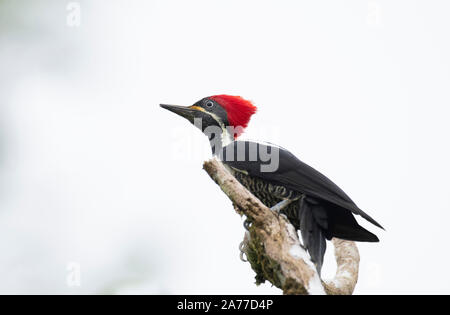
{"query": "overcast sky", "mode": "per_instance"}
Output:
(96, 180)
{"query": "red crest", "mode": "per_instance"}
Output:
(238, 110)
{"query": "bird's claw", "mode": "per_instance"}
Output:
(281, 205)
(242, 251)
(247, 224)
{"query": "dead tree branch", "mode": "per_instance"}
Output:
(273, 248)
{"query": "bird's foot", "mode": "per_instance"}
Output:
(242, 254)
(247, 224)
(281, 205)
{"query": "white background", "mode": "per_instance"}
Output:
(93, 172)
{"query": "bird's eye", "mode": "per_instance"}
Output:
(209, 104)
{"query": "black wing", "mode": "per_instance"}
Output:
(291, 172)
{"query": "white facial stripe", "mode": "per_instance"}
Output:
(226, 137)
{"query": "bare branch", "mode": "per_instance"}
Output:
(347, 259)
(273, 248)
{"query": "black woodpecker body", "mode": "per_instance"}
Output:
(313, 203)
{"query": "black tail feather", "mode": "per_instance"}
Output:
(319, 222)
(343, 225)
(312, 234)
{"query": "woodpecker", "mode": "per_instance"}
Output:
(313, 204)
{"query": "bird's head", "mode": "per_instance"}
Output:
(226, 114)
